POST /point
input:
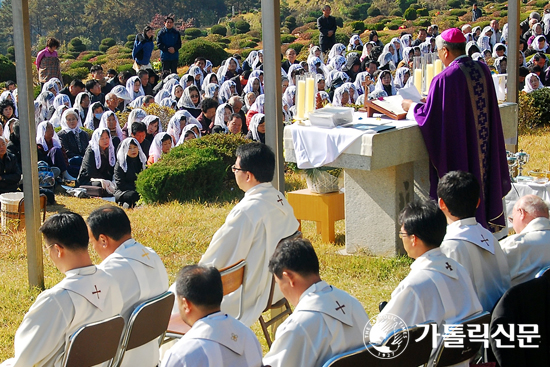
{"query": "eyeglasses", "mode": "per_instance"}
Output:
(235, 169)
(46, 248)
(403, 234)
(194, 96)
(510, 219)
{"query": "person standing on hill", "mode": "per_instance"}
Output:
(47, 62)
(143, 47)
(476, 13)
(327, 26)
(169, 42)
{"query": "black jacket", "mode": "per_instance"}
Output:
(88, 170)
(10, 173)
(126, 181)
(68, 142)
(325, 25)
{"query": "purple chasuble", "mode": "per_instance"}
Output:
(461, 126)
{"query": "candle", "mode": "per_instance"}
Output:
(418, 79)
(438, 66)
(301, 105)
(429, 76)
(310, 95)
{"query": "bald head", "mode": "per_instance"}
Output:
(526, 209)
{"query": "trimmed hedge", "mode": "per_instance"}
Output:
(247, 44)
(218, 29)
(192, 33)
(358, 26)
(297, 47)
(242, 26)
(201, 47)
(7, 69)
(410, 14)
(287, 38)
(78, 73)
(76, 45)
(81, 64)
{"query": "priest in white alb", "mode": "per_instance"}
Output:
(326, 321)
(467, 242)
(137, 269)
(215, 338)
(252, 230)
(86, 294)
(437, 288)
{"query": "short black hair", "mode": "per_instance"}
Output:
(148, 99)
(166, 137)
(112, 71)
(200, 58)
(168, 18)
(425, 220)
(5, 103)
(539, 55)
(258, 159)
(327, 7)
(208, 103)
(90, 84)
(500, 48)
(297, 255)
(523, 71)
(459, 191)
(95, 68)
(67, 229)
(110, 221)
(53, 42)
(77, 83)
(236, 115)
(142, 72)
(138, 127)
(200, 285)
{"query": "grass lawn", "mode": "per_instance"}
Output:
(180, 233)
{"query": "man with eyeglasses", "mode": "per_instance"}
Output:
(528, 250)
(169, 42)
(252, 230)
(437, 288)
(87, 294)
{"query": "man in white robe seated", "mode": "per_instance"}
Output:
(437, 288)
(326, 321)
(138, 271)
(528, 251)
(467, 242)
(215, 339)
(86, 294)
(252, 230)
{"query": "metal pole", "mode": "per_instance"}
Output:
(513, 50)
(273, 108)
(22, 42)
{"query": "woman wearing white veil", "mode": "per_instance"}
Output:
(254, 85)
(109, 121)
(129, 163)
(355, 43)
(337, 49)
(341, 96)
(191, 100)
(162, 144)
(73, 139)
(99, 160)
(137, 114)
(56, 117)
(359, 80)
(532, 83)
(175, 124)
(385, 83)
(197, 75)
(93, 117)
(208, 79)
(131, 88)
(44, 109)
(227, 90)
(212, 90)
(62, 99)
(223, 114)
(402, 75)
(81, 99)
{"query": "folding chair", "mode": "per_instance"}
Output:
(450, 356)
(543, 272)
(147, 322)
(94, 343)
(417, 352)
(232, 279)
(280, 303)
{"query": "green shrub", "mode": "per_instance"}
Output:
(196, 170)
(110, 42)
(201, 47)
(124, 67)
(458, 12)
(528, 114)
(74, 54)
(218, 29)
(541, 101)
(396, 13)
(342, 38)
(7, 69)
(67, 56)
(129, 44)
(393, 27)
(192, 33)
(247, 44)
(242, 26)
(81, 64)
(454, 3)
(11, 53)
(339, 22)
(78, 73)
(131, 37)
(423, 12)
(423, 22)
(90, 55)
(296, 46)
(287, 38)
(103, 48)
(415, 6)
(410, 14)
(358, 26)
(36, 90)
(290, 22)
(309, 20)
(315, 13)
(76, 45)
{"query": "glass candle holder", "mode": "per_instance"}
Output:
(300, 97)
(417, 73)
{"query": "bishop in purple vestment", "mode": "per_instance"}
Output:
(461, 126)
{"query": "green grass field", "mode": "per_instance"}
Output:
(180, 233)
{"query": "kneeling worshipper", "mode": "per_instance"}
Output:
(470, 137)
(99, 162)
(437, 288)
(216, 338)
(109, 121)
(223, 114)
(86, 295)
(162, 144)
(73, 140)
(130, 162)
(50, 150)
(326, 321)
(257, 128)
(177, 123)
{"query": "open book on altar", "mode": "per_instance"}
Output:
(389, 106)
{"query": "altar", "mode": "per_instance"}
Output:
(383, 171)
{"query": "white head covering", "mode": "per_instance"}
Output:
(335, 75)
(255, 73)
(359, 79)
(312, 61)
(337, 62)
(89, 121)
(210, 91)
(393, 54)
(406, 40)
(337, 49)
(8, 127)
(380, 86)
(289, 95)
(122, 154)
(524, 63)
(498, 63)
(78, 101)
(258, 104)
(251, 57)
(194, 70)
(41, 131)
(225, 90)
(338, 93)
(173, 91)
(385, 59)
(250, 85)
(528, 88)
(151, 118)
(62, 99)
(256, 62)
(223, 69)
(50, 84)
(137, 114)
(172, 76)
(536, 46)
(254, 123)
(290, 70)
(174, 128)
(63, 121)
(504, 37)
(220, 116)
(103, 124)
(121, 92)
(185, 100)
(168, 102)
(208, 80)
(168, 84)
(156, 146)
(398, 51)
(399, 81)
(138, 102)
(130, 88)
(406, 53)
(352, 45)
(325, 96)
(56, 117)
(208, 66)
(45, 101)
(353, 94)
(186, 129)
(94, 146)
(5, 94)
(484, 43)
(163, 93)
(495, 50)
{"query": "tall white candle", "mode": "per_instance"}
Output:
(310, 95)
(429, 76)
(418, 79)
(438, 66)
(301, 105)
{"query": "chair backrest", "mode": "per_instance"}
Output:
(94, 343)
(450, 356)
(419, 346)
(147, 322)
(296, 234)
(543, 272)
(233, 279)
(354, 358)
